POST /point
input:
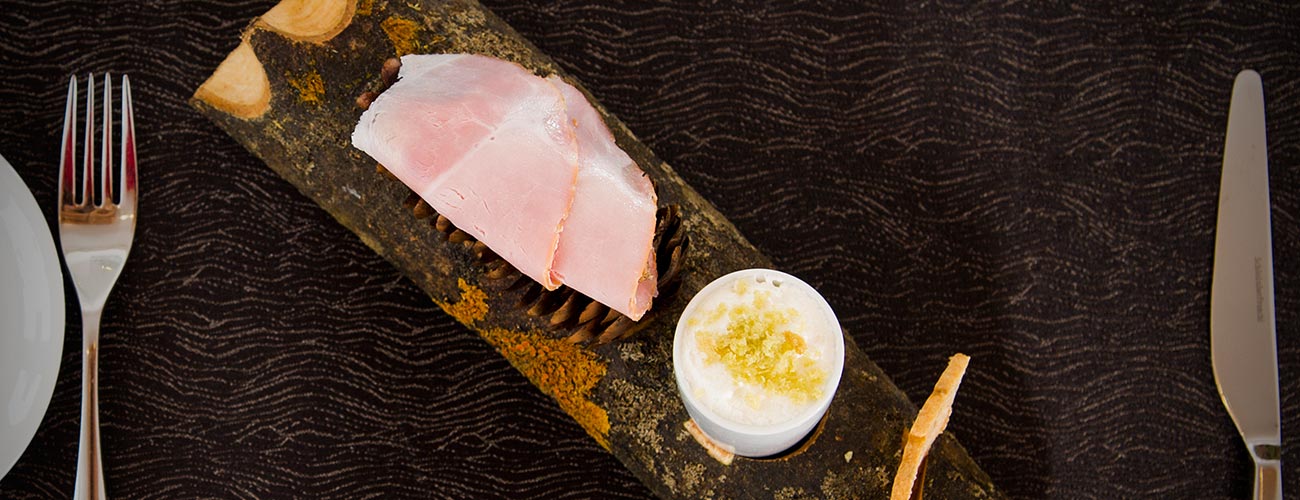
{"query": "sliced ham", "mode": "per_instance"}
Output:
(525, 165)
(487, 144)
(606, 249)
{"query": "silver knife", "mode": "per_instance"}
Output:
(1243, 341)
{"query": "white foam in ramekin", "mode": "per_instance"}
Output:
(745, 439)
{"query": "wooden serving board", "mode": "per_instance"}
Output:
(288, 94)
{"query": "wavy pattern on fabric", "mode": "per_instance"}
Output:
(1034, 186)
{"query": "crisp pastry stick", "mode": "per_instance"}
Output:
(930, 422)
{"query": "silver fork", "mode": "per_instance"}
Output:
(96, 238)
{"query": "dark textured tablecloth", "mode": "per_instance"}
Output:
(1033, 185)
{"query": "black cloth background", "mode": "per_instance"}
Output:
(1034, 185)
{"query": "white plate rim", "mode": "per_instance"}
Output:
(20, 420)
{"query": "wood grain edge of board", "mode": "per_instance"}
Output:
(239, 85)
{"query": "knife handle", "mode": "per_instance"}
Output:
(1268, 474)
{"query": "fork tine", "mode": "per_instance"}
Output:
(88, 164)
(106, 159)
(128, 194)
(67, 177)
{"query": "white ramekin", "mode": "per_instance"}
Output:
(752, 440)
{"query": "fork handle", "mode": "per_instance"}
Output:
(90, 469)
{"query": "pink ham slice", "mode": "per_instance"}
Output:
(487, 144)
(606, 249)
(525, 165)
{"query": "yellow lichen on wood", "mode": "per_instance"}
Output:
(562, 370)
(310, 86)
(472, 305)
(365, 7)
(402, 33)
(239, 85)
(312, 21)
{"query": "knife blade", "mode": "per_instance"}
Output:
(1243, 341)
